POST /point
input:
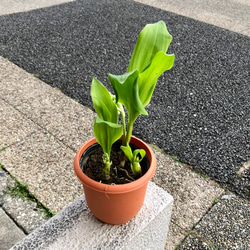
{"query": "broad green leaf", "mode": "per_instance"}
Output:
(106, 133)
(152, 39)
(127, 93)
(103, 103)
(148, 78)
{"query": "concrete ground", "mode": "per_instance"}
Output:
(232, 15)
(41, 130)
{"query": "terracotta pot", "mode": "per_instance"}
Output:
(115, 204)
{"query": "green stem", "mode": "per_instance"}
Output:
(106, 169)
(123, 120)
(136, 168)
(129, 134)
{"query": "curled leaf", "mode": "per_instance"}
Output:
(127, 93)
(152, 39)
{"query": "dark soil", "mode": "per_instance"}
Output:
(93, 165)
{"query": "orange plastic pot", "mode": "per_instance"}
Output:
(115, 204)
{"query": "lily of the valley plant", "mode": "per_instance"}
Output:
(133, 90)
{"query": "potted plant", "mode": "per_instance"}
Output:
(115, 167)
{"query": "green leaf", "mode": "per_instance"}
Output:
(134, 161)
(148, 78)
(142, 152)
(127, 93)
(152, 39)
(128, 152)
(106, 133)
(103, 103)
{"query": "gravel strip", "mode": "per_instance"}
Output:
(200, 109)
(194, 242)
(226, 225)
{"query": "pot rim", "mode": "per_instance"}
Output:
(121, 188)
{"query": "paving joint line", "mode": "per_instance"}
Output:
(202, 238)
(189, 231)
(39, 125)
(30, 199)
(19, 226)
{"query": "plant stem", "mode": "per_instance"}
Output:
(106, 169)
(136, 168)
(127, 138)
(123, 120)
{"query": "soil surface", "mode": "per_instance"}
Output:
(93, 165)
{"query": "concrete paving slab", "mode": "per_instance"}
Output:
(15, 6)
(232, 15)
(10, 234)
(45, 165)
(26, 213)
(226, 225)
(193, 194)
(17, 86)
(46, 106)
(65, 118)
(14, 126)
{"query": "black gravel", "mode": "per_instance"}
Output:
(226, 225)
(194, 242)
(200, 109)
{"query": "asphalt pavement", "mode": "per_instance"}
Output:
(200, 109)
(199, 112)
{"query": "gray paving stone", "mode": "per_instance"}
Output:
(46, 166)
(65, 118)
(14, 126)
(193, 194)
(10, 234)
(231, 15)
(18, 86)
(48, 107)
(24, 212)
